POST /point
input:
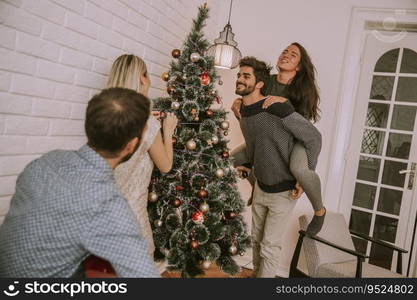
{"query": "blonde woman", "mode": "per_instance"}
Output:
(133, 176)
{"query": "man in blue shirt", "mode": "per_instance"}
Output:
(67, 207)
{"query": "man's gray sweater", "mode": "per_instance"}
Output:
(270, 135)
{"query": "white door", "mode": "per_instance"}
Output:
(379, 191)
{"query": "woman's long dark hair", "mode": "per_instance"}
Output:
(303, 90)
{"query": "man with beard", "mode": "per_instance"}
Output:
(269, 135)
(66, 205)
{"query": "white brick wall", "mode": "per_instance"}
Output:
(55, 54)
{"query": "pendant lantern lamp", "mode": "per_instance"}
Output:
(224, 50)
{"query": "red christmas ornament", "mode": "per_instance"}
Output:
(205, 79)
(176, 53)
(179, 188)
(170, 89)
(198, 217)
(230, 214)
(202, 194)
(176, 202)
(194, 244)
(225, 154)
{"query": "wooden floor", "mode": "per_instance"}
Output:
(212, 272)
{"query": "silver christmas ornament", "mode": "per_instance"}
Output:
(206, 264)
(219, 173)
(215, 139)
(224, 125)
(175, 105)
(195, 57)
(232, 250)
(153, 197)
(158, 223)
(204, 207)
(191, 145)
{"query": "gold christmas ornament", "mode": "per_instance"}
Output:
(175, 105)
(204, 207)
(153, 197)
(232, 250)
(219, 173)
(158, 223)
(195, 57)
(224, 125)
(191, 145)
(165, 76)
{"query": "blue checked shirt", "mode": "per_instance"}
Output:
(66, 207)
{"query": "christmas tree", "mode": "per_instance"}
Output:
(195, 209)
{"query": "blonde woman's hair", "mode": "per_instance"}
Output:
(125, 72)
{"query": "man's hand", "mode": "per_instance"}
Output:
(236, 107)
(273, 99)
(243, 169)
(297, 192)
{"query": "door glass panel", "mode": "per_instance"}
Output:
(360, 221)
(381, 256)
(360, 244)
(372, 142)
(403, 117)
(390, 201)
(391, 175)
(385, 228)
(377, 115)
(382, 87)
(388, 61)
(407, 89)
(409, 61)
(364, 195)
(368, 168)
(399, 145)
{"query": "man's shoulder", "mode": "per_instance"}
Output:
(281, 110)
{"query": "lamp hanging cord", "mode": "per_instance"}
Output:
(230, 11)
(228, 22)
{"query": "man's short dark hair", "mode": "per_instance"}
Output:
(114, 117)
(260, 70)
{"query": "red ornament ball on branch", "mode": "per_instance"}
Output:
(176, 53)
(198, 217)
(205, 79)
(202, 194)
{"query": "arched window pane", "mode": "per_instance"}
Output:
(388, 61)
(409, 61)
